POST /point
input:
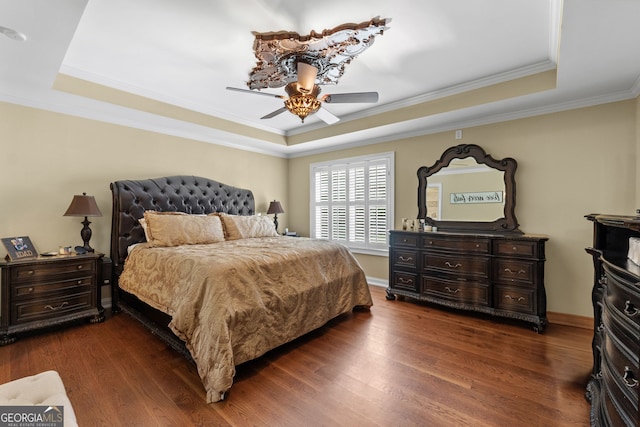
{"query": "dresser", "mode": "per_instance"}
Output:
(502, 275)
(49, 291)
(613, 388)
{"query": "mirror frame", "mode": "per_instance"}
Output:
(507, 224)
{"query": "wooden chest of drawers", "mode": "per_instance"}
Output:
(495, 274)
(48, 291)
(613, 389)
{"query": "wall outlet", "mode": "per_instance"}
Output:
(459, 134)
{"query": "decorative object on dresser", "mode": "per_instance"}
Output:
(85, 206)
(613, 388)
(19, 248)
(45, 292)
(470, 258)
(275, 208)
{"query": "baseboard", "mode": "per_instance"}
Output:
(570, 320)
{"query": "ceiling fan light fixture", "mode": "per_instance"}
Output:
(302, 104)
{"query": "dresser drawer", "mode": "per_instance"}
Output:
(54, 307)
(621, 333)
(467, 292)
(409, 240)
(38, 271)
(457, 264)
(511, 298)
(513, 271)
(618, 383)
(477, 245)
(623, 297)
(516, 248)
(405, 281)
(406, 259)
(38, 290)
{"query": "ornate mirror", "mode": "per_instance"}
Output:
(468, 190)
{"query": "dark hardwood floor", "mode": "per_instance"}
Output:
(401, 364)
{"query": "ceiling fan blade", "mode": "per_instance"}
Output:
(343, 98)
(271, 95)
(307, 76)
(274, 113)
(326, 116)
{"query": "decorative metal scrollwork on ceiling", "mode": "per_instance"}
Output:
(278, 53)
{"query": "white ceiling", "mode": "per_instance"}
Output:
(185, 52)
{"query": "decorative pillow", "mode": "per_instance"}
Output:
(177, 228)
(247, 226)
(143, 224)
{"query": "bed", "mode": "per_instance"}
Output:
(215, 281)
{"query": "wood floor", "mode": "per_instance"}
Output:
(401, 364)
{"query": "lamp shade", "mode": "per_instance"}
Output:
(83, 206)
(275, 208)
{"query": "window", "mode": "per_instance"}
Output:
(352, 200)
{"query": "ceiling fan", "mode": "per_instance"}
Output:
(303, 96)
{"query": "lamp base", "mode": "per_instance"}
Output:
(85, 233)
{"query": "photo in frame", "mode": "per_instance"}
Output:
(19, 248)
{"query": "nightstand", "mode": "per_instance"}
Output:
(49, 291)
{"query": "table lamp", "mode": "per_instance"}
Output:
(84, 206)
(275, 208)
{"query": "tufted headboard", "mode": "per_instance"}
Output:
(189, 194)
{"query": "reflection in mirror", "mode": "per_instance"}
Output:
(474, 192)
(468, 190)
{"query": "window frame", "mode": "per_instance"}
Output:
(346, 164)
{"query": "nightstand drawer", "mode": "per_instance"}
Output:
(50, 308)
(37, 290)
(33, 272)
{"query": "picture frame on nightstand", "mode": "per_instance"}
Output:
(19, 248)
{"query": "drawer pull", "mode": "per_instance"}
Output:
(405, 281)
(31, 272)
(448, 264)
(630, 310)
(515, 248)
(628, 378)
(452, 291)
(58, 307)
(403, 259)
(508, 270)
(80, 267)
(30, 289)
(519, 299)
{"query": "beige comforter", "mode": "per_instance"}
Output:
(233, 301)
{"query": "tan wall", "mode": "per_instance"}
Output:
(48, 157)
(569, 164)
